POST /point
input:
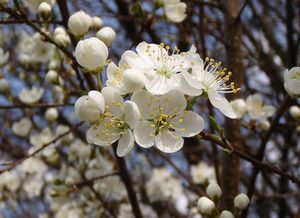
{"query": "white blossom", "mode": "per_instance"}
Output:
(206, 206)
(90, 107)
(31, 96)
(97, 23)
(62, 129)
(241, 201)
(106, 35)
(202, 173)
(257, 109)
(117, 123)
(22, 127)
(175, 10)
(124, 79)
(51, 114)
(295, 111)
(165, 120)
(226, 214)
(79, 23)
(4, 85)
(209, 77)
(3, 56)
(214, 191)
(292, 81)
(91, 53)
(239, 107)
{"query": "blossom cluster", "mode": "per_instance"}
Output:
(158, 85)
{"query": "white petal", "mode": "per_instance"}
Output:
(268, 111)
(168, 141)
(98, 98)
(100, 134)
(113, 100)
(193, 77)
(221, 103)
(293, 86)
(125, 144)
(147, 104)
(187, 89)
(254, 101)
(131, 113)
(111, 68)
(188, 124)
(144, 134)
(173, 102)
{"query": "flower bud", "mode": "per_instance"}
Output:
(292, 81)
(295, 112)
(239, 107)
(62, 129)
(91, 53)
(264, 125)
(59, 30)
(214, 191)
(79, 23)
(241, 201)
(45, 11)
(107, 35)
(133, 80)
(4, 85)
(51, 114)
(52, 77)
(62, 39)
(226, 214)
(97, 23)
(90, 107)
(206, 206)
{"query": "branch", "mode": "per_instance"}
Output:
(41, 105)
(17, 162)
(124, 174)
(257, 163)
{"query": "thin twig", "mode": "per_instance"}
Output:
(17, 162)
(41, 105)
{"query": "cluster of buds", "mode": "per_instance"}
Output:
(208, 206)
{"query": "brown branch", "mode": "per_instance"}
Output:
(17, 162)
(262, 148)
(125, 176)
(90, 181)
(257, 163)
(40, 105)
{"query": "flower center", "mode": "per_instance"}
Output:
(162, 122)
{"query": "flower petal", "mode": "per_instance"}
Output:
(221, 103)
(144, 134)
(98, 98)
(188, 124)
(147, 104)
(125, 144)
(168, 141)
(113, 100)
(173, 102)
(131, 113)
(187, 89)
(101, 134)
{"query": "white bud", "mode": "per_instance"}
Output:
(292, 81)
(133, 80)
(264, 125)
(4, 85)
(51, 114)
(91, 53)
(52, 77)
(44, 10)
(241, 201)
(107, 35)
(79, 23)
(295, 112)
(239, 107)
(62, 39)
(90, 107)
(214, 191)
(206, 206)
(59, 30)
(226, 214)
(53, 64)
(22, 127)
(97, 23)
